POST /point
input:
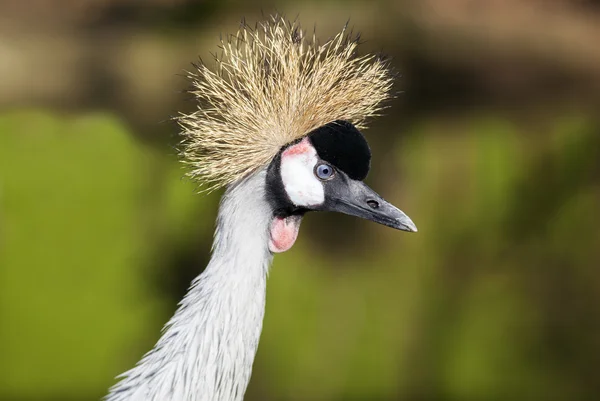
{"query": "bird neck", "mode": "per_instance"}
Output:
(207, 349)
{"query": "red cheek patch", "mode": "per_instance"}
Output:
(301, 147)
(284, 232)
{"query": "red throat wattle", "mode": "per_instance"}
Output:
(284, 232)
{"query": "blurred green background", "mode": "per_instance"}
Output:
(492, 147)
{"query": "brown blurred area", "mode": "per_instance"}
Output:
(492, 146)
(120, 54)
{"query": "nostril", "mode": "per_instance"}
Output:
(373, 203)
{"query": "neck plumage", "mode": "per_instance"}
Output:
(208, 347)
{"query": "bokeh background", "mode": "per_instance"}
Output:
(492, 147)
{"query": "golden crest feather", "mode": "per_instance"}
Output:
(271, 86)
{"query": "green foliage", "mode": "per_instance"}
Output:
(492, 299)
(74, 304)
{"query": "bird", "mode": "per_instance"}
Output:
(278, 125)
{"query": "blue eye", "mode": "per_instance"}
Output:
(324, 171)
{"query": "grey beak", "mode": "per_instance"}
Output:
(355, 198)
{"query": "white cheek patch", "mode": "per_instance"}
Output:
(297, 173)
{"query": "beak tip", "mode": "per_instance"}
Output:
(406, 224)
(412, 228)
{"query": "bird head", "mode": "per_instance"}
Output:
(323, 171)
(280, 101)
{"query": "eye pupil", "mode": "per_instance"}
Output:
(324, 171)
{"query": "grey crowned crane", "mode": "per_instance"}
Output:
(277, 124)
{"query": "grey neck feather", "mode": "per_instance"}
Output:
(208, 347)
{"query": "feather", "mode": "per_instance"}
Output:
(270, 86)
